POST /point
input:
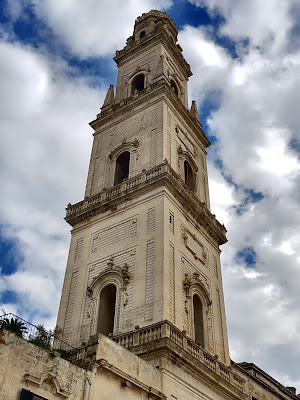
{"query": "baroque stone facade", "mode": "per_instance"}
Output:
(155, 217)
(142, 299)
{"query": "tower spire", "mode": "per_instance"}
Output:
(109, 98)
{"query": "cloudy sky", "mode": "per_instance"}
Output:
(56, 66)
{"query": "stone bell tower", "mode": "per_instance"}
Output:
(145, 246)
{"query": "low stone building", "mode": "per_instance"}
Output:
(142, 306)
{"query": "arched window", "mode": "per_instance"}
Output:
(106, 315)
(198, 320)
(122, 167)
(174, 87)
(138, 83)
(189, 176)
(142, 34)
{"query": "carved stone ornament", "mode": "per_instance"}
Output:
(123, 273)
(193, 280)
(185, 139)
(122, 147)
(193, 244)
(50, 378)
(192, 284)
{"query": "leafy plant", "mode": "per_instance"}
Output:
(13, 325)
(42, 338)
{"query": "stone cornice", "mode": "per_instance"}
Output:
(244, 368)
(164, 340)
(158, 35)
(153, 90)
(143, 183)
(128, 380)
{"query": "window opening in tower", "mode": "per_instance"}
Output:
(107, 305)
(174, 87)
(198, 320)
(189, 177)
(138, 83)
(122, 167)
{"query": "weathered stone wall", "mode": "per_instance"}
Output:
(24, 365)
(115, 373)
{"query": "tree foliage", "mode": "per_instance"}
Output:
(13, 325)
(42, 338)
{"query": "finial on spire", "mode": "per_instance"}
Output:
(194, 111)
(159, 68)
(110, 97)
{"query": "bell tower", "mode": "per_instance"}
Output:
(145, 246)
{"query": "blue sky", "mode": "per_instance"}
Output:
(56, 66)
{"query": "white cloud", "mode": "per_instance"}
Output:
(256, 119)
(223, 196)
(44, 159)
(265, 26)
(94, 28)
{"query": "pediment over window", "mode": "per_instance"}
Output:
(125, 146)
(193, 283)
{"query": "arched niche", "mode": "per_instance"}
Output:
(188, 169)
(174, 87)
(106, 312)
(121, 163)
(138, 83)
(108, 297)
(198, 320)
(198, 309)
(189, 176)
(122, 167)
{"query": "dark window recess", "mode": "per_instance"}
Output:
(107, 310)
(189, 176)
(122, 167)
(198, 320)
(174, 87)
(142, 34)
(27, 395)
(138, 83)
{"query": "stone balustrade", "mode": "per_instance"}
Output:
(165, 329)
(163, 171)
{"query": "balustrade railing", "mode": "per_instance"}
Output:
(165, 329)
(39, 336)
(162, 170)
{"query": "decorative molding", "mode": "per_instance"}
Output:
(193, 244)
(123, 147)
(185, 155)
(38, 380)
(135, 383)
(150, 341)
(160, 175)
(195, 280)
(149, 286)
(172, 282)
(79, 247)
(113, 234)
(184, 138)
(121, 273)
(104, 273)
(193, 284)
